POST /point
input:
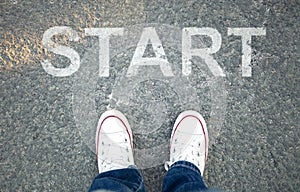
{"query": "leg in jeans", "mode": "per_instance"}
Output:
(188, 154)
(115, 155)
(183, 176)
(128, 180)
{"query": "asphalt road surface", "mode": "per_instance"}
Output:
(47, 122)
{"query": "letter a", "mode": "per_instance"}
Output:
(149, 35)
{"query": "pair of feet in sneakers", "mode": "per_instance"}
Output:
(114, 141)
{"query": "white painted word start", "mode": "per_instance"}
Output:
(149, 35)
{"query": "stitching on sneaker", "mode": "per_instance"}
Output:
(98, 134)
(203, 130)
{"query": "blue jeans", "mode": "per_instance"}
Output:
(182, 176)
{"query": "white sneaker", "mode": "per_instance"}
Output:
(114, 146)
(189, 140)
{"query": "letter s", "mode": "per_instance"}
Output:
(61, 50)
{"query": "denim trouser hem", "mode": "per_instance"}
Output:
(123, 180)
(182, 176)
(186, 164)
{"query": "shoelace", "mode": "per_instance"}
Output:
(117, 157)
(180, 147)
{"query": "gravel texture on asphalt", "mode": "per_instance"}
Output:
(255, 147)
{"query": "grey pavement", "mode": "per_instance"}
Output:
(255, 147)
